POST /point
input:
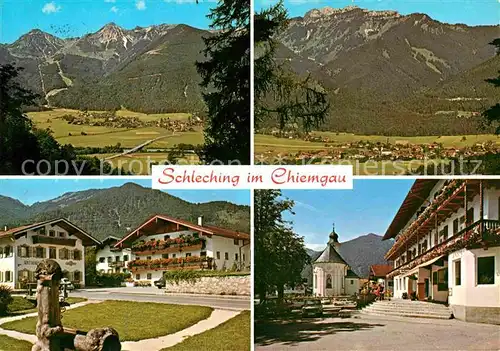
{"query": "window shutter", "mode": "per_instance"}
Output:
(19, 251)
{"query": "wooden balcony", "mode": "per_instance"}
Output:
(482, 233)
(451, 198)
(50, 240)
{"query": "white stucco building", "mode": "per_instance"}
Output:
(447, 246)
(111, 259)
(331, 273)
(165, 243)
(23, 248)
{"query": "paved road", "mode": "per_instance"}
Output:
(375, 333)
(155, 295)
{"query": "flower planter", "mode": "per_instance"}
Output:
(169, 250)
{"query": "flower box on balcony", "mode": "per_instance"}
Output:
(175, 245)
(168, 263)
(170, 249)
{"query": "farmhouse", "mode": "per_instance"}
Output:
(165, 243)
(22, 248)
(447, 246)
(331, 273)
(111, 259)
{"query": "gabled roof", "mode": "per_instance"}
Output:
(87, 239)
(415, 198)
(351, 274)
(380, 270)
(205, 229)
(330, 255)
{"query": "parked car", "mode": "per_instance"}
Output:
(312, 308)
(160, 283)
(65, 282)
(270, 308)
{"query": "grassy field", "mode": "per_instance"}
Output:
(265, 143)
(99, 136)
(133, 320)
(10, 344)
(232, 335)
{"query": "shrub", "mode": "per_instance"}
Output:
(111, 279)
(5, 299)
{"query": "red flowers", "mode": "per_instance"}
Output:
(181, 241)
(165, 262)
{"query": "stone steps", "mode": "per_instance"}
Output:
(406, 308)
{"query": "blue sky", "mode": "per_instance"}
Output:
(34, 190)
(368, 208)
(471, 12)
(70, 18)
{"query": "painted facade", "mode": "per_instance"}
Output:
(164, 243)
(331, 273)
(447, 249)
(23, 248)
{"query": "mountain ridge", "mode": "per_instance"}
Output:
(117, 210)
(372, 62)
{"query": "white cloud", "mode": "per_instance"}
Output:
(113, 1)
(51, 7)
(114, 9)
(140, 4)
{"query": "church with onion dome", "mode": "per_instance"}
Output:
(332, 275)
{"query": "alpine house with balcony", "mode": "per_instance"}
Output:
(23, 248)
(447, 246)
(111, 259)
(165, 243)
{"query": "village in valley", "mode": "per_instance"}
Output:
(188, 279)
(316, 148)
(435, 270)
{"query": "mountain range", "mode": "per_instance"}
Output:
(115, 211)
(360, 253)
(388, 73)
(148, 69)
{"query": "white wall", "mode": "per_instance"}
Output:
(124, 255)
(321, 272)
(469, 292)
(16, 263)
(351, 286)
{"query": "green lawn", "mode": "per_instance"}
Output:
(233, 335)
(20, 305)
(10, 344)
(133, 320)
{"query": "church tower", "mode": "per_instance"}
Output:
(330, 269)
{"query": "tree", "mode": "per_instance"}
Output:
(90, 266)
(280, 255)
(281, 95)
(17, 142)
(226, 78)
(492, 114)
